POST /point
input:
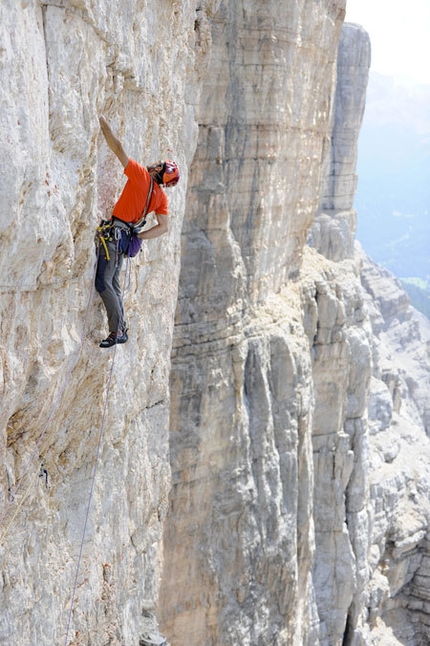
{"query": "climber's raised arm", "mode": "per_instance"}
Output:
(114, 144)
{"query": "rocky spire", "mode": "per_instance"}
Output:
(333, 231)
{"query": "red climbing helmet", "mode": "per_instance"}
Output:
(170, 174)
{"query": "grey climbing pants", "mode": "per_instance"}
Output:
(108, 285)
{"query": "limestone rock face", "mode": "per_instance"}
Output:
(61, 65)
(264, 372)
(399, 463)
(239, 538)
(333, 231)
(253, 469)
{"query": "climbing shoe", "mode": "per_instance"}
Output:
(114, 338)
(122, 338)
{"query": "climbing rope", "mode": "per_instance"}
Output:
(96, 460)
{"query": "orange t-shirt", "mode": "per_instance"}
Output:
(132, 200)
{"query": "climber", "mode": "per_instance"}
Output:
(141, 194)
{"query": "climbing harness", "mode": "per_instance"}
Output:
(111, 231)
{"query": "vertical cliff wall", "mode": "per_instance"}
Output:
(333, 230)
(62, 64)
(393, 605)
(260, 474)
(341, 358)
(239, 537)
(277, 355)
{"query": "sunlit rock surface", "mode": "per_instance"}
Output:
(333, 231)
(259, 473)
(239, 539)
(396, 597)
(63, 64)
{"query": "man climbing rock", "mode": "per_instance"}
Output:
(141, 194)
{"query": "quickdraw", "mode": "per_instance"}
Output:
(104, 231)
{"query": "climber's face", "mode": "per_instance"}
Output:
(155, 170)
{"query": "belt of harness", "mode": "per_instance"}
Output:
(106, 226)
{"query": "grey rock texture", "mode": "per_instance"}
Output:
(333, 230)
(260, 378)
(241, 385)
(61, 65)
(257, 453)
(399, 463)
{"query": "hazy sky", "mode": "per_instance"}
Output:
(399, 33)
